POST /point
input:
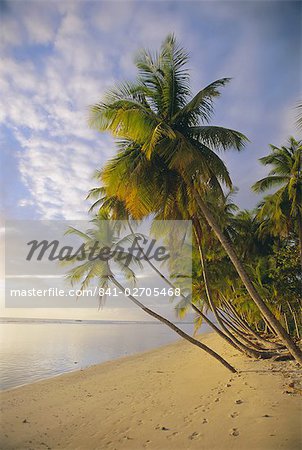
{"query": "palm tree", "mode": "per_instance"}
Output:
(158, 126)
(105, 235)
(283, 209)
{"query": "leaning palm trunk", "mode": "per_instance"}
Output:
(177, 330)
(234, 317)
(286, 322)
(238, 324)
(249, 330)
(100, 269)
(267, 328)
(265, 311)
(252, 352)
(243, 337)
(242, 328)
(215, 328)
(207, 320)
(228, 337)
(295, 320)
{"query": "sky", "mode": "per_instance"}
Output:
(59, 57)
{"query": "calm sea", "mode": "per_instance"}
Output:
(34, 351)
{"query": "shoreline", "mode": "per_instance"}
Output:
(87, 345)
(114, 360)
(173, 396)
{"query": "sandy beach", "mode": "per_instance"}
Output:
(174, 397)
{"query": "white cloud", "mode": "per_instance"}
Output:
(58, 177)
(39, 26)
(73, 51)
(46, 107)
(25, 202)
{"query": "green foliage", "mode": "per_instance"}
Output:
(285, 271)
(281, 211)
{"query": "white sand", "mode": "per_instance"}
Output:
(175, 397)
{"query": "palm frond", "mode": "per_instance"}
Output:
(219, 137)
(201, 105)
(268, 183)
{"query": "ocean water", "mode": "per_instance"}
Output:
(35, 351)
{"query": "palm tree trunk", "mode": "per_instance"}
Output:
(173, 327)
(267, 328)
(248, 351)
(215, 328)
(260, 352)
(250, 331)
(265, 311)
(295, 319)
(286, 322)
(232, 314)
(162, 276)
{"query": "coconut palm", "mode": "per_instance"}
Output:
(104, 234)
(282, 210)
(159, 125)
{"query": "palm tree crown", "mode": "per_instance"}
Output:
(281, 211)
(286, 173)
(161, 129)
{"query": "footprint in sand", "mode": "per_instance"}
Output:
(205, 421)
(187, 419)
(234, 414)
(194, 435)
(234, 432)
(174, 434)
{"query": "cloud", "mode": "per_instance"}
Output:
(39, 26)
(46, 109)
(11, 33)
(59, 57)
(58, 176)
